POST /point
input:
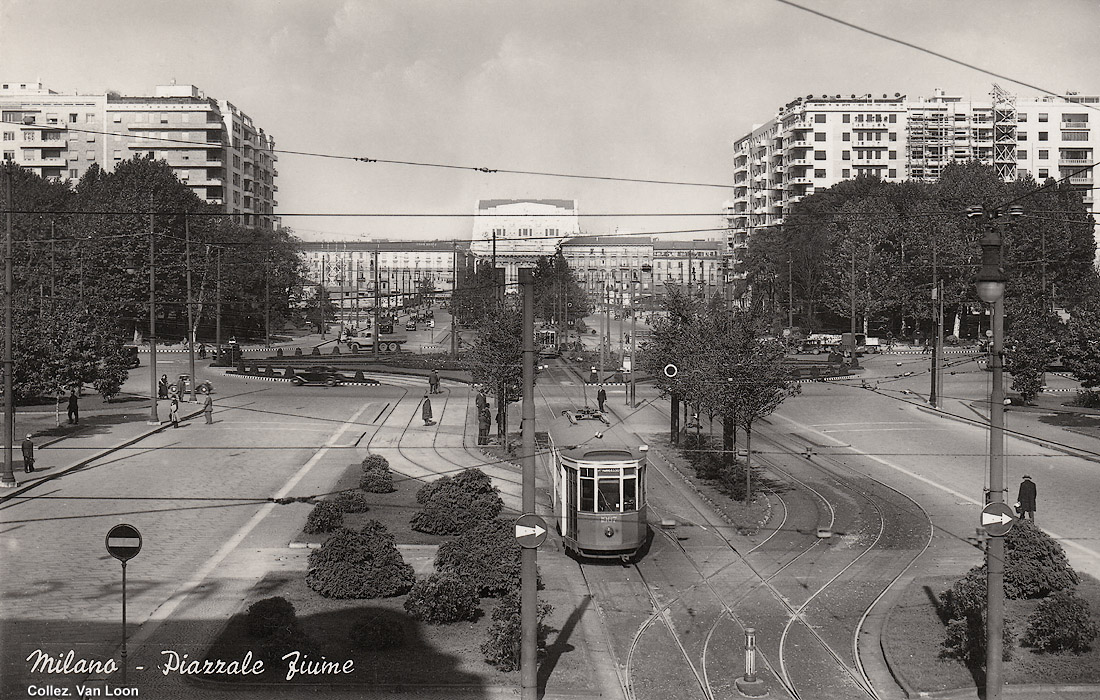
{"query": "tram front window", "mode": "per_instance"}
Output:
(588, 496)
(609, 496)
(630, 501)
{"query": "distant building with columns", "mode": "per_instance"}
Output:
(521, 231)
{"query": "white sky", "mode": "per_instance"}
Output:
(653, 90)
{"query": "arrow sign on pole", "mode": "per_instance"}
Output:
(997, 519)
(530, 530)
(990, 518)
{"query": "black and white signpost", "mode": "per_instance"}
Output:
(123, 543)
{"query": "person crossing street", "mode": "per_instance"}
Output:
(426, 410)
(174, 412)
(208, 409)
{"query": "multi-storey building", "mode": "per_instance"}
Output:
(611, 267)
(814, 142)
(346, 269)
(517, 232)
(694, 267)
(213, 147)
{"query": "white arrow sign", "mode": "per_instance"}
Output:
(524, 531)
(990, 518)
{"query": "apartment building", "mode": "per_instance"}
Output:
(694, 267)
(346, 268)
(520, 231)
(612, 267)
(213, 147)
(813, 142)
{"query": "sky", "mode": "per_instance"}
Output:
(646, 89)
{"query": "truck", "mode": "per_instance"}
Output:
(387, 342)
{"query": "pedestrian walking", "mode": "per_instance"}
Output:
(434, 381)
(28, 454)
(601, 397)
(481, 401)
(174, 412)
(1025, 499)
(74, 408)
(162, 386)
(484, 422)
(208, 409)
(426, 410)
(202, 351)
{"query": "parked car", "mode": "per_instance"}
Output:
(318, 375)
(183, 386)
(133, 360)
(410, 326)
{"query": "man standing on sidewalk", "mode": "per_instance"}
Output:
(28, 454)
(208, 409)
(174, 412)
(74, 407)
(601, 398)
(1025, 499)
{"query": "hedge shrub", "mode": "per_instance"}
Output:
(965, 605)
(377, 477)
(351, 501)
(504, 638)
(442, 598)
(456, 504)
(487, 557)
(1035, 565)
(326, 516)
(363, 564)
(374, 462)
(1061, 622)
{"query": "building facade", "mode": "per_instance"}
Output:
(517, 232)
(813, 143)
(213, 147)
(346, 269)
(693, 267)
(611, 267)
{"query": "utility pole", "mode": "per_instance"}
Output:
(528, 563)
(321, 300)
(377, 302)
(190, 310)
(154, 419)
(267, 301)
(454, 290)
(855, 361)
(990, 286)
(932, 393)
(218, 307)
(7, 477)
(790, 292)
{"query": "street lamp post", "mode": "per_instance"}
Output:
(154, 419)
(990, 287)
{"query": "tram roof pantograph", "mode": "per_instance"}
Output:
(593, 440)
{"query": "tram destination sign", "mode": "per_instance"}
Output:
(123, 542)
(530, 530)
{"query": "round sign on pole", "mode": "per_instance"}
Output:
(997, 519)
(671, 370)
(530, 530)
(123, 542)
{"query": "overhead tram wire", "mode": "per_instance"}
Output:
(917, 47)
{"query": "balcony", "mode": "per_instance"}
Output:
(1074, 125)
(1074, 161)
(801, 143)
(798, 162)
(800, 181)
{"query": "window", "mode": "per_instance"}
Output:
(118, 155)
(1021, 136)
(846, 118)
(892, 173)
(846, 136)
(1044, 173)
(74, 173)
(116, 118)
(819, 172)
(893, 119)
(72, 117)
(819, 155)
(893, 155)
(1075, 136)
(845, 173)
(1021, 117)
(819, 136)
(846, 155)
(1021, 155)
(819, 118)
(1044, 154)
(893, 136)
(1043, 116)
(9, 155)
(1043, 136)
(9, 135)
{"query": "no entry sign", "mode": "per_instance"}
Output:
(123, 542)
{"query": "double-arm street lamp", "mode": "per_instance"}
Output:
(990, 287)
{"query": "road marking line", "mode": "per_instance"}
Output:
(165, 609)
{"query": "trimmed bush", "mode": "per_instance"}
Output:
(1061, 622)
(269, 371)
(363, 564)
(335, 350)
(376, 477)
(503, 640)
(278, 352)
(456, 504)
(379, 632)
(351, 501)
(297, 351)
(441, 599)
(487, 557)
(1035, 565)
(326, 516)
(1088, 398)
(372, 462)
(288, 372)
(359, 374)
(316, 350)
(965, 607)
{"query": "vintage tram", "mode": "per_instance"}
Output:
(599, 479)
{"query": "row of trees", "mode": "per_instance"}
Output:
(886, 241)
(721, 365)
(81, 260)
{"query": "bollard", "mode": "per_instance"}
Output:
(750, 655)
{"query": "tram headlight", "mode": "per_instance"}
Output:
(609, 532)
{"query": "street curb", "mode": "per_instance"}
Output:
(5, 497)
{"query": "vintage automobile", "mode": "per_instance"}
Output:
(317, 375)
(183, 386)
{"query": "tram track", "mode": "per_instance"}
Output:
(879, 500)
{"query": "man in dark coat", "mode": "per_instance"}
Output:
(1026, 499)
(28, 454)
(426, 411)
(601, 397)
(74, 408)
(484, 422)
(433, 381)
